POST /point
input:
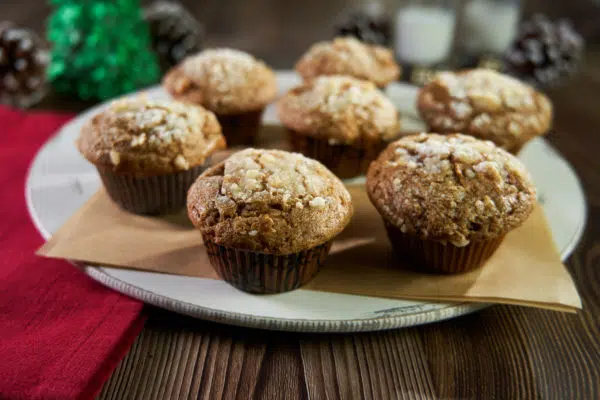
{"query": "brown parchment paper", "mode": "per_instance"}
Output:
(526, 269)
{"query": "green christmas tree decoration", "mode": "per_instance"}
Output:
(101, 48)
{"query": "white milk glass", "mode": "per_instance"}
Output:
(489, 26)
(424, 31)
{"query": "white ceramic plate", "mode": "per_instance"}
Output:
(60, 181)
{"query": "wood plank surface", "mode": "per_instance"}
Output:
(503, 352)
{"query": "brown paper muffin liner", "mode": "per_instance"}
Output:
(345, 161)
(241, 129)
(436, 257)
(155, 194)
(256, 272)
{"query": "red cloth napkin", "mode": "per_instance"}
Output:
(61, 333)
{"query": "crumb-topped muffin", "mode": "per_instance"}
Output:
(487, 105)
(149, 152)
(349, 56)
(231, 83)
(449, 200)
(268, 217)
(339, 120)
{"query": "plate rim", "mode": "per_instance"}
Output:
(444, 312)
(447, 311)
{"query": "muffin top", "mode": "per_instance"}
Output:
(349, 56)
(340, 108)
(147, 137)
(485, 104)
(225, 81)
(269, 201)
(450, 188)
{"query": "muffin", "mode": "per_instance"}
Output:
(487, 105)
(349, 56)
(447, 201)
(339, 120)
(234, 85)
(268, 217)
(148, 153)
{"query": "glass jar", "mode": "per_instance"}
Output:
(424, 31)
(488, 27)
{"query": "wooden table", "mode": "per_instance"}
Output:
(503, 352)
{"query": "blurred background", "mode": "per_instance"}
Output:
(280, 30)
(97, 49)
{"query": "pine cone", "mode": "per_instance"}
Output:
(368, 27)
(175, 32)
(545, 52)
(23, 61)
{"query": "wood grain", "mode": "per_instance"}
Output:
(503, 352)
(381, 365)
(171, 359)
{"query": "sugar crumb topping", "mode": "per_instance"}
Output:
(340, 96)
(317, 202)
(181, 163)
(225, 68)
(350, 56)
(115, 157)
(270, 201)
(277, 177)
(158, 122)
(485, 104)
(487, 90)
(454, 184)
(350, 46)
(434, 153)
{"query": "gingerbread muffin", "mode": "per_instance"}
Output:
(148, 153)
(268, 217)
(447, 201)
(349, 56)
(234, 85)
(487, 105)
(339, 120)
